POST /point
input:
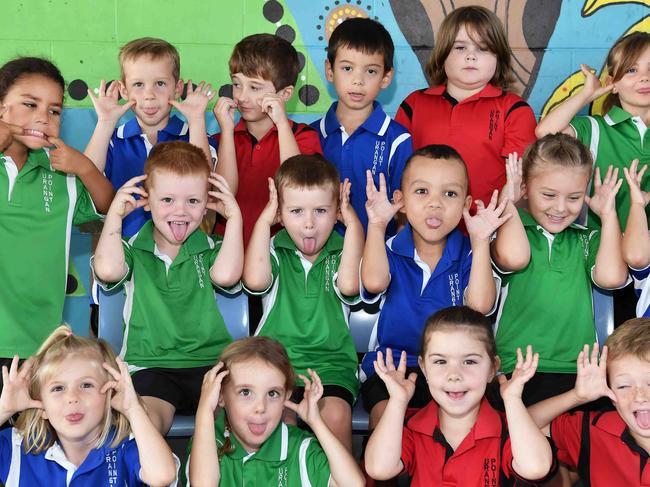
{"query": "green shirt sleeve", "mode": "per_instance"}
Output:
(235, 288)
(84, 210)
(591, 250)
(128, 259)
(275, 272)
(318, 468)
(582, 126)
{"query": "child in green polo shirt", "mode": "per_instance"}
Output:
(548, 263)
(252, 383)
(309, 276)
(169, 270)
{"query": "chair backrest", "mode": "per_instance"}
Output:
(603, 313)
(362, 321)
(233, 308)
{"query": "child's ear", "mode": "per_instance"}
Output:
(468, 202)
(610, 81)
(524, 191)
(497, 365)
(387, 79)
(123, 93)
(179, 89)
(421, 365)
(286, 93)
(329, 71)
(398, 197)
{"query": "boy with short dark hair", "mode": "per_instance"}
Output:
(428, 265)
(308, 276)
(264, 70)
(356, 134)
(151, 84)
(169, 270)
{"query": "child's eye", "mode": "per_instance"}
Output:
(235, 84)
(255, 88)
(372, 71)
(87, 385)
(138, 84)
(274, 393)
(459, 48)
(439, 362)
(421, 191)
(194, 201)
(632, 70)
(622, 386)
(470, 361)
(55, 112)
(548, 195)
(296, 211)
(166, 199)
(245, 392)
(450, 194)
(56, 389)
(321, 211)
(574, 198)
(161, 83)
(347, 69)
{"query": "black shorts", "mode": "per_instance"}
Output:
(330, 390)
(179, 387)
(373, 391)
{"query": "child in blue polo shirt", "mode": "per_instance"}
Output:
(77, 411)
(356, 134)
(151, 84)
(428, 265)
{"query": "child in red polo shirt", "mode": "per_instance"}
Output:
(467, 105)
(264, 70)
(606, 448)
(458, 439)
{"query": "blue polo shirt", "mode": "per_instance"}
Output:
(103, 466)
(128, 150)
(642, 289)
(415, 293)
(379, 144)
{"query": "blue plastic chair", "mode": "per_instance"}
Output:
(234, 309)
(361, 325)
(603, 313)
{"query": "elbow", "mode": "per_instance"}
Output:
(635, 257)
(226, 280)
(373, 285)
(255, 284)
(539, 469)
(378, 472)
(540, 131)
(162, 477)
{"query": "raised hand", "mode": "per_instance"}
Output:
(633, 176)
(524, 371)
(124, 202)
(273, 105)
(307, 409)
(106, 102)
(347, 215)
(379, 208)
(487, 219)
(224, 112)
(591, 378)
(514, 175)
(15, 395)
(67, 159)
(196, 100)
(211, 387)
(124, 398)
(222, 200)
(592, 87)
(603, 202)
(270, 212)
(399, 386)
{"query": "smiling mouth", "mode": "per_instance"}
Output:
(642, 417)
(179, 229)
(555, 219)
(456, 396)
(34, 133)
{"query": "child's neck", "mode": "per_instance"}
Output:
(459, 94)
(642, 442)
(18, 153)
(164, 247)
(151, 132)
(352, 119)
(430, 253)
(455, 429)
(75, 452)
(259, 128)
(642, 112)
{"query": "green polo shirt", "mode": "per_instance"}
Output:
(304, 310)
(170, 314)
(38, 207)
(615, 139)
(289, 457)
(548, 304)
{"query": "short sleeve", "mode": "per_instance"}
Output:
(318, 468)
(506, 466)
(368, 297)
(131, 462)
(582, 126)
(128, 260)
(566, 432)
(404, 113)
(6, 451)
(349, 300)
(84, 210)
(403, 146)
(519, 130)
(275, 272)
(408, 451)
(308, 140)
(108, 167)
(593, 243)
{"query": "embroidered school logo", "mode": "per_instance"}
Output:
(48, 192)
(454, 289)
(111, 464)
(584, 240)
(490, 472)
(328, 275)
(494, 122)
(282, 477)
(378, 156)
(200, 270)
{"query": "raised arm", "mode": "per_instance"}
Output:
(559, 119)
(109, 263)
(15, 396)
(610, 271)
(157, 464)
(193, 109)
(343, 468)
(257, 264)
(109, 112)
(636, 241)
(510, 249)
(383, 458)
(204, 458)
(531, 452)
(224, 112)
(375, 272)
(481, 290)
(348, 273)
(273, 105)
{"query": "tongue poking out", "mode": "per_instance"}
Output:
(309, 244)
(643, 419)
(256, 429)
(179, 230)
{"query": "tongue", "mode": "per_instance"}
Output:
(257, 429)
(179, 231)
(643, 419)
(309, 244)
(456, 395)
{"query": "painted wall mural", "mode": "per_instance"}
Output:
(549, 39)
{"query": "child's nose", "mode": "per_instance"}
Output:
(641, 394)
(260, 405)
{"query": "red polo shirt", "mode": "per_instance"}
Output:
(483, 128)
(258, 160)
(601, 447)
(484, 457)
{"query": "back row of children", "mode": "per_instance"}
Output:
(174, 331)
